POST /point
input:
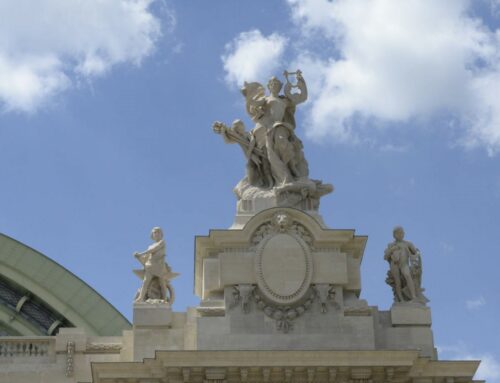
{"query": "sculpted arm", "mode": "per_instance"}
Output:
(388, 252)
(151, 249)
(142, 257)
(157, 246)
(414, 253)
(251, 147)
(412, 248)
(297, 98)
(256, 101)
(221, 128)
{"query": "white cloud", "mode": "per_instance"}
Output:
(46, 44)
(395, 61)
(252, 57)
(474, 304)
(488, 370)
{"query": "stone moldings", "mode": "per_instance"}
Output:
(304, 366)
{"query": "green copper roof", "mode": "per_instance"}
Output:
(55, 296)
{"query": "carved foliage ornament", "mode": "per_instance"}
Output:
(284, 315)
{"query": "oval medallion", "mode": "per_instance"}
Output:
(284, 268)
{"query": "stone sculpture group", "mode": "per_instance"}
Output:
(276, 166)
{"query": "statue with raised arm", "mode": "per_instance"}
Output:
(276, 166)
(156, 273)
(405, 269)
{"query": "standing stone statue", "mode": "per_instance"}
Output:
(156, 274)
(405, 273)
(276, 166)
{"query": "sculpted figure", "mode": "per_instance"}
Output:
(405, 273)
(276, 166)
(274, 117)
(156, 274)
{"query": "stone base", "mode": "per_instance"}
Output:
(303, 194)
(152, 322)
(152, 314)
(409, 314)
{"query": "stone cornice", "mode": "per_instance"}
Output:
(285, 366)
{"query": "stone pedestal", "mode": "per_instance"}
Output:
(152, 315)
(151, 327)
(407, 314)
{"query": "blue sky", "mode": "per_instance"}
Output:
(105, 132)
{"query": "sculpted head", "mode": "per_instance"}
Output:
(156, 234)
(398, 233)
(282, 220)
(274, 85)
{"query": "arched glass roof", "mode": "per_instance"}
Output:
(38, 296)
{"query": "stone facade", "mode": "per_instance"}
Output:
(279, 302)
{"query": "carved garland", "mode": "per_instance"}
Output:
(284, 315)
